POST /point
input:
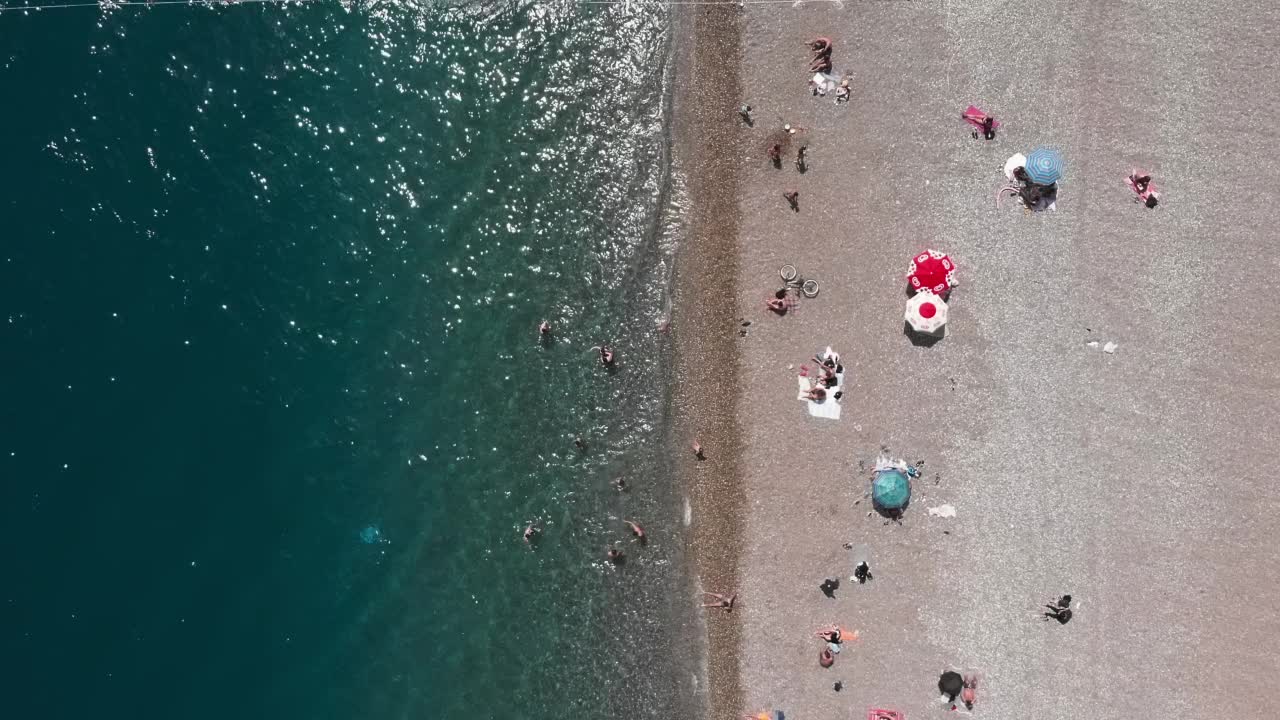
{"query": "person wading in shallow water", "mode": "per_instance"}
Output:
(724, 602)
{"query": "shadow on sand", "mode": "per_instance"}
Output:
(922, 339)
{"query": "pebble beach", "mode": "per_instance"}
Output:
(1136, 480)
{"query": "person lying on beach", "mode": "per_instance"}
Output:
(826, 658)
(821, 45)
(724, 602)
(831, 634)
(778, 305)
(969, 694)
(637, 531)
(821, 65)
(817, 393)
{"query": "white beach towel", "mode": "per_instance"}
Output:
(825, 83)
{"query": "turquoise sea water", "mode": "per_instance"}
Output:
(276, 411)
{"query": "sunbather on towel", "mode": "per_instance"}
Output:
(816, 393)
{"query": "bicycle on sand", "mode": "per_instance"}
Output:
(793, 281)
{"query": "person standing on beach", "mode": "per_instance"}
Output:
(800, 161)
(745, 113)
(775, 154)
(793, 199)
(697, 450)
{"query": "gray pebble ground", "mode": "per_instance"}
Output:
(1143, 482)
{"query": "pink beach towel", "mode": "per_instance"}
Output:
(976, 118)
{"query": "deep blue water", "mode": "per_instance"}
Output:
(275, 408)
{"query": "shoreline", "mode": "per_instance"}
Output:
(705, 139)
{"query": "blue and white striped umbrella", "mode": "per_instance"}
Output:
(1044, 166)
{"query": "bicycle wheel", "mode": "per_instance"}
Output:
(788, 273)
(810, 288)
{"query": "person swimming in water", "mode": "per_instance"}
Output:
(532, 532)
(615, 556)
(620, 484)
(638, 532)
(544, 329)
(606, 355)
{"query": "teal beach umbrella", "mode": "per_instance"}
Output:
(890, 490)
(1044, 166)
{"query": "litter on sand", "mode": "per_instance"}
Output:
(943, 511)
(1109, 347)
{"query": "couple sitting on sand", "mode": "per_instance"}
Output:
(828, 379)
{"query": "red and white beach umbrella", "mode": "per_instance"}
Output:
(932, 270)
(926, 312)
